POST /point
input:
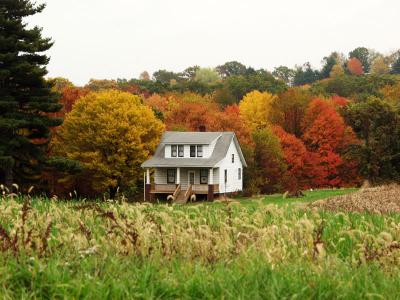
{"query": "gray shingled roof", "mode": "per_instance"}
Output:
(219, 153)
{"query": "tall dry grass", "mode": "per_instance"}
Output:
(207, 233)
(382, 199)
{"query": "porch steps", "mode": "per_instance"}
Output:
(180, 198)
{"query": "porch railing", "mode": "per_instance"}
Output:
(172, 188)
(188, 192)
(200, 187)
(163, 188)
(178, 189)
(203, 188)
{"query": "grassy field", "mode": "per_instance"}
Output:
(249, 249)
(309, 196)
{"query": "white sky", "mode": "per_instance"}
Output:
(121, 38)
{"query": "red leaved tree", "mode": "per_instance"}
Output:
(230, 120)
(355, 67)
(296, 158)
(69, 95)
(190, 111)
(327, 138)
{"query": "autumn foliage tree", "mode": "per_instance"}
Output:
(110, 133)
(391, 94)
(296, 158)
(69, 95)
(288, 109)
(355, 67)
(189, 112)
(327, 138)
(269, 162)
(380, 66)
(157, 102)
(255, 109)
(230, 119)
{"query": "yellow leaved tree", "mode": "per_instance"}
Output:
(255, 109)
(110, 133)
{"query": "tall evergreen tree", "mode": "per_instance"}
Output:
(25, 96)
(305, 75)
(396, 67)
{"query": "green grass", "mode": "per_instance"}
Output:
(118, 278)
(309, 196)
(281, 200)
(262, 251)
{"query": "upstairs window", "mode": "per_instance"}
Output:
(173, 150)
(233, 158)
(181, 150)
(199, 150)
(192, 151)
(171, 174)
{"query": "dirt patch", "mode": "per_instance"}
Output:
(382, 199)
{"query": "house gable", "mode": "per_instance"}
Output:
(232, 164)
(214, 147)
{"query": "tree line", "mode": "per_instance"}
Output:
(299, 128)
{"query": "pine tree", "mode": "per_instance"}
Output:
(25, 96)
(396, 67)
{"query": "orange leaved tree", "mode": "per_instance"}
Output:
(327, 138)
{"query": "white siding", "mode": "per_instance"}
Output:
(234, 184)
(167, 151)
(160, 176)
(207, 150)
(216, 176)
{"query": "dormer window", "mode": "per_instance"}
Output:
(173, 150)
(199, 150)
(181, 150)
(192, 151)
(233, 158)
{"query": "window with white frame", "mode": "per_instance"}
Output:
(192, 151)
(173, 150)
(171, 175)
(203, 176)
(181, 149)
(199, 150)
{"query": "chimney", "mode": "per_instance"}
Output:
(202, 128)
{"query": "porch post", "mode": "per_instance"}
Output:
(147, 188)
(178, 176)
(210, 195)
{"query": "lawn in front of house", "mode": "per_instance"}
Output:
(309, 196)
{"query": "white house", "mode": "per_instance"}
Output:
(187, 163)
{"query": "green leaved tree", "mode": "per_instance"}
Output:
(377, 124)
(25, 96)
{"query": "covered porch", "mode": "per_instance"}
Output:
(187, 181)
(170, 188)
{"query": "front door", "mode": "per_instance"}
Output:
(191, 177)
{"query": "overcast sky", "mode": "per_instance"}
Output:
(121, 38)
